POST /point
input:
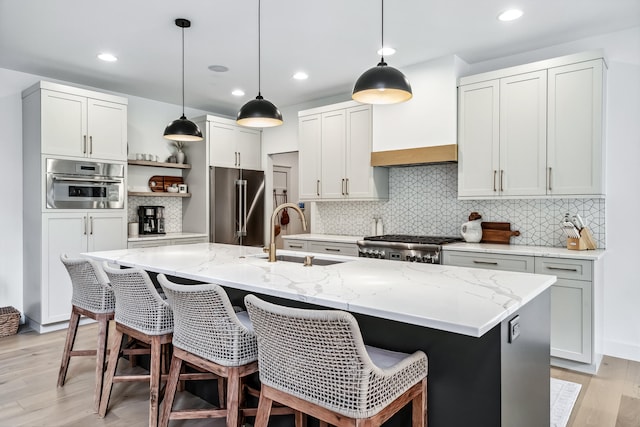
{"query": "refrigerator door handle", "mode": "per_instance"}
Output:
(242, 207)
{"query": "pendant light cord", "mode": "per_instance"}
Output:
(382, 33)
(183, 72)
(259, 65)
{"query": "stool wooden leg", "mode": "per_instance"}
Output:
(170, 390)
(264, 411)
(68, 345)
(154, 380)
(300, 419)
(234, 388)
(222, 399)
(112, 364)
(419, 407)
(101, 352)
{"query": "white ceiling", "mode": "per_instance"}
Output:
(334, 41)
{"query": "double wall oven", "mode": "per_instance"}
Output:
(78, 184)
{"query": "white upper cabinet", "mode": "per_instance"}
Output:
(335, 154)
(575, 149)
(524, 133)
(309, 152)
(80, 123)
(233, 146)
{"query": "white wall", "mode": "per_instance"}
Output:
(622, 281)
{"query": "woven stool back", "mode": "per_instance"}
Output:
(319, 356)
(205, 324)
(138, 303)
(91, 289)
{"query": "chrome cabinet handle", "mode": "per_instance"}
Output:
(343, 193)
(484, 262)
(84, 226)
(331, 250)
(501, 179)
(235, 153)
(318, 187)
(90, 144)
(494, 180)
(347, 187)
(91, 225)
(84, 144)
(239, 158)
(296, 246)
(549, 178)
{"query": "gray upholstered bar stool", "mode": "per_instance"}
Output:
(315, 361)
(143, 315)
(211, 336)
(93, 298)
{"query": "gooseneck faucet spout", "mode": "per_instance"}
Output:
(272, 240)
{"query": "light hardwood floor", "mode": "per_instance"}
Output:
(29, 366)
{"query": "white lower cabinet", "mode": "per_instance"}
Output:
(575, 312)
(166, 242)
(70, 233)
(321, 246)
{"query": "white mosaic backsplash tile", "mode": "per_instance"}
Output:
(423, 201)
(172, 210)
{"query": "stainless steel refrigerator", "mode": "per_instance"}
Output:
(237, 206)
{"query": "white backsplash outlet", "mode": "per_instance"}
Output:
(172, 210)
(423, 201)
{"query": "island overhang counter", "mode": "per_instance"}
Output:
(486, 332)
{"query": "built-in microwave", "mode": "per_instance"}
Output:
(78, 184)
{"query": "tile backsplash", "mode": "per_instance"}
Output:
(172, 210)
(423, 201)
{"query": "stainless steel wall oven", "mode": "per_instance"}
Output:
(78, 184)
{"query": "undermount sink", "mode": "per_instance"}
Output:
(300, 259)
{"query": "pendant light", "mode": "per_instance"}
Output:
(259, 113)
(182, 129)
(382, 84)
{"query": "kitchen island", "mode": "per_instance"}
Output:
(486, 332)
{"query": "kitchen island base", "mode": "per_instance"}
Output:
(498, 379)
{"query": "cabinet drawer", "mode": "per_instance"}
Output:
(520, 263)
(564, 268)
(294, 245)
(148, 244)
(350, 249)
(189, 240)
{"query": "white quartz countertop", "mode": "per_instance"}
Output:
(324, 237)
(167, 236)
(461, 300)
(541, 251)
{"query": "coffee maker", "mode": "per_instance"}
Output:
(151, 219)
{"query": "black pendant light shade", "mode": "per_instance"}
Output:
(382, 84)
(259, 113)
(183, 129)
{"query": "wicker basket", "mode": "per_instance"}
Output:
(9, 321)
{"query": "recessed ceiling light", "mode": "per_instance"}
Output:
(510, 15)
(107, 57)
(301, 75)
(386, 51)
(237, 92)
(218, 68)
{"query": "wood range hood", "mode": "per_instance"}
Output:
(416, 156)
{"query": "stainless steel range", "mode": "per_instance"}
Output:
(402, 247)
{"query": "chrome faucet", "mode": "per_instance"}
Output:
(272, 241)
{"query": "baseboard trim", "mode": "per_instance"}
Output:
(622, 350)
(51, 327)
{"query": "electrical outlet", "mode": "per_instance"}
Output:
(514, 328)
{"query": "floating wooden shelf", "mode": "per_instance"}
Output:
(157, 194)
(159, 164)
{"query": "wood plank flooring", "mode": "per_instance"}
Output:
(29, 397)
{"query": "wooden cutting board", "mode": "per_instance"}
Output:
(497, 232)
(159, 183)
